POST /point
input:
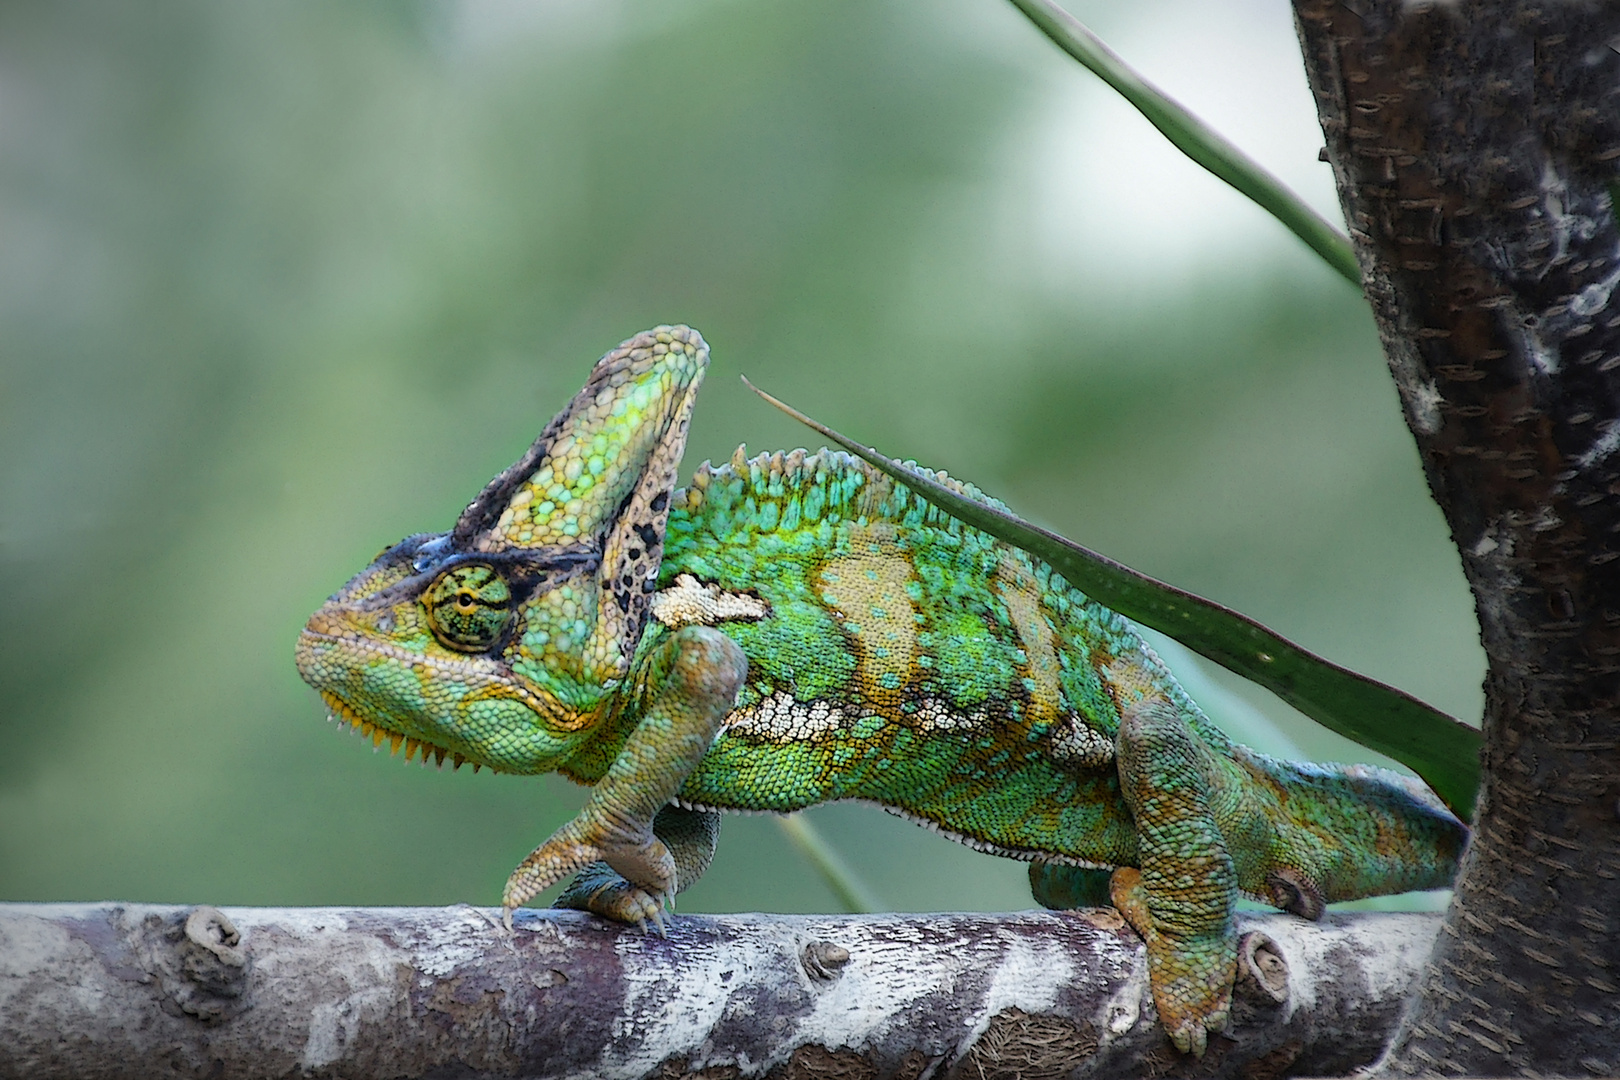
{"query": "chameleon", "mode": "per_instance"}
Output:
(799, 628)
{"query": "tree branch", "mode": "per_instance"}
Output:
(104, 990)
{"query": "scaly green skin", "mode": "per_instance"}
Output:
(799, 629)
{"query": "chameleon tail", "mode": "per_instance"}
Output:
(1342, 832)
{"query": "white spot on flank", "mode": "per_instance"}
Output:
(783, 718)
(1484, 546)
(936, 715)
(1076, 742)
(690, 602)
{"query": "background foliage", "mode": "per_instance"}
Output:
(283, 283)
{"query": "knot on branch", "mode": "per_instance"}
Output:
(200, 964)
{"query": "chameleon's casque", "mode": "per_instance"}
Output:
(799, 628)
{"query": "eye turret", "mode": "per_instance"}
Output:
(468, 607)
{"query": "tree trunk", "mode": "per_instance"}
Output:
(1476, 147)
(105, 990)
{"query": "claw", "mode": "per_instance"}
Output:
(1190, 1033)
(1190, 1038)
(651, 922)
(506, 918)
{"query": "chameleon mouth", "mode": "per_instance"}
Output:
(341, 713)
(327, 631)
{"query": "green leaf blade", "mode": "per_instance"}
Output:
(1200, 142)
(851, 890)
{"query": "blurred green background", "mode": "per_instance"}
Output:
(282, 283)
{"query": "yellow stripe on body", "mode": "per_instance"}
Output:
(866, 593)
(1018, 590)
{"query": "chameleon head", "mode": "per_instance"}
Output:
(501, 641)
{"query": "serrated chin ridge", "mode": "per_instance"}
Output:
(341, 713)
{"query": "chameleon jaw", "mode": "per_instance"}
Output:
(338, 662)
(340, 713)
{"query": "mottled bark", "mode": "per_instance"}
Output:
(106, 990)
(1476, 146)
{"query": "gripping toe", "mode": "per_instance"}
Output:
(601, 891)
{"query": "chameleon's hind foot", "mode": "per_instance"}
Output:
(601, 891)
(1191, 975)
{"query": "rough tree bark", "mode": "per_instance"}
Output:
(1476, 147)
(106, 990)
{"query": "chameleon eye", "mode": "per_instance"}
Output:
(468, 607)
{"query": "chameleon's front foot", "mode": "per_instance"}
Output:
(690, 836)
(601, 891)
(689, 680)
(645, 870)
(1190, 975)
